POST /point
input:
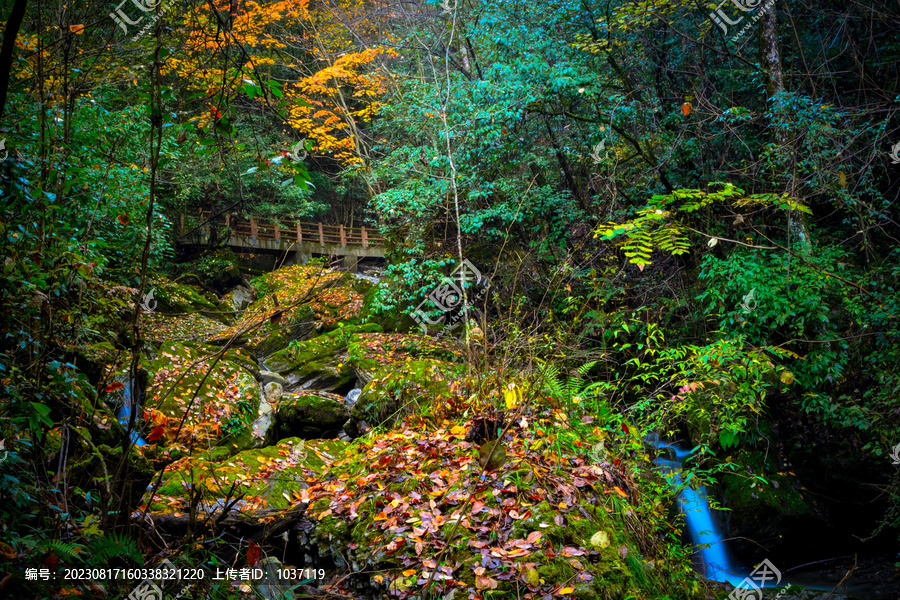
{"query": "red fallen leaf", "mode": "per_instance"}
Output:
(114, 386)
(252, 554)
(123, 219)
(6, 551)
(157, 433)
(625, 428)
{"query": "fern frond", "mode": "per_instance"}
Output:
(115, 546)
(65, 551)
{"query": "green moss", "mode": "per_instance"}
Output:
(404, 388)
(273, 473)
(318, 359)
(226, 393)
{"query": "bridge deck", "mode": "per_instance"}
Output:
(298, 236)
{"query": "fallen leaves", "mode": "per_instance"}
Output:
(409, 488)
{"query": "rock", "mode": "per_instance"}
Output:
(353, 395)
(269, 477)
(270, 376)
(272, 586)
(273, 392)
(222, 409)
(310, 415)
(396, 390)
(264, 421)
(240, 298)
(318, 363)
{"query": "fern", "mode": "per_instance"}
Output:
(65, 551)
(657, 226)
(115, 545)
(564, 390)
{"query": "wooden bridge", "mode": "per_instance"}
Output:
(297, 237)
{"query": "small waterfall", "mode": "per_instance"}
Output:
(124, 412)
(694, 504)
(353, 395)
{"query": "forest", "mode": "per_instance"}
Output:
(450, 300)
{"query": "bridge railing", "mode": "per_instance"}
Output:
(302, 232)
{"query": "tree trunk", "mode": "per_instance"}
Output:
(9, 46)
(798, 229)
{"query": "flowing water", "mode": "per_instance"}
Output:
(705, 534)
(124, 412)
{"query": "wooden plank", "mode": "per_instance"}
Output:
(321, 235)
(343, 237)
(277, 233)
(299, 233)
(365, 240)
(227, 220)
(252, 227)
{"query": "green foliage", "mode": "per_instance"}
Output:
(661, 226)
(113, 549)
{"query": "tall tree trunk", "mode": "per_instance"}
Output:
(9, 45)
(771, 62)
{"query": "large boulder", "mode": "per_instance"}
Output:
(240, 298)
(310, 415)
(369, 352)
(403, 388)
(221, 399)
(292, 303)
(319, 363)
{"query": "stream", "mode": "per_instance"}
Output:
(124, 412)
(715, 562)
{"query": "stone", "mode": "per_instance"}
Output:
(310, 415)
(273, 391)
(270, 377)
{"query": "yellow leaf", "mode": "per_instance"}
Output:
(787, 377)
(409, 572)
(600, 539)
(566, 590)
(511, 396)
(76, 29)
(533, 578)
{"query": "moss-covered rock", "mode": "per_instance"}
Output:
(397, 390)
(221, 400)
(270, 477)
(292, 302)
(309, 415)
(368, 352)
(396, 502)
(171, 297)
(319, 363)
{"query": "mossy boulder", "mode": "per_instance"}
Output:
(165, 296)
(319, 363)
(270, 477)
(397, 390)
(369, 352)
(221, 398)
(309, 415)
(395, 502)
(293, 302)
